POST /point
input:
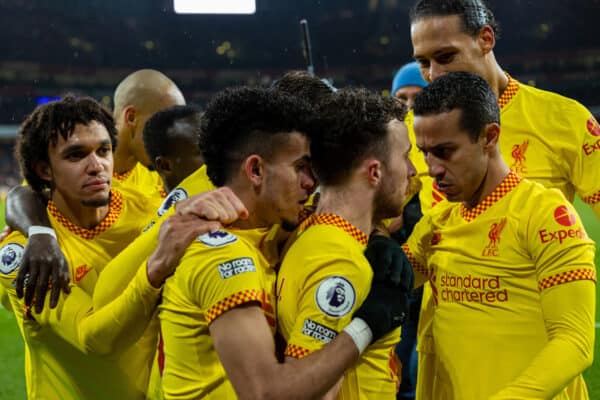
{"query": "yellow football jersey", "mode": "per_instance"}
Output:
(323, 279)
(142, 179)
(218, 272)
(488, 322)
(56, 363)
(544, 137)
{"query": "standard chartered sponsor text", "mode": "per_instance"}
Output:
(474, 289)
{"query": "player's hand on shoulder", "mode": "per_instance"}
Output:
(43, 266)
(216, 205)
(176, 233)
(386, 306)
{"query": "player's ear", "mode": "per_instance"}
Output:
(163, 165)
(130, 116)
(254, 169)
(43, 170)
(486, 39)
(373, 168)
(490, 136)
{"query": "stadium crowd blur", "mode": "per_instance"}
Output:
(52, 48)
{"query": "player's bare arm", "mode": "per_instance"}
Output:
(245, 345)
(43, 261)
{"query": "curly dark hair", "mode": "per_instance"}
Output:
(238, 122)
(474, 14)
(352, 125)
(464, 91)
(157, 130)
(42, 127)
(304, 85)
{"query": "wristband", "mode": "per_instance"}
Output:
(40, 230)
(360, 333)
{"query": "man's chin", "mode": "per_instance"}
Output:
(96, 202)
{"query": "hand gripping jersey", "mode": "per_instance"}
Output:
(323, 279)
(57, 340)
(514, 308)
(219, 271)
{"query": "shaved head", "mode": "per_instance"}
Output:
(148, 90)
(139, 96)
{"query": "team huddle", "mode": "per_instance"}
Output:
(248, 250)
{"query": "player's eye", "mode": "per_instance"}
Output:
(76, 155)
(445, 58)
(423, 63)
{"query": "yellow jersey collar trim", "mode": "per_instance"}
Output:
(509, 92)
(335, 220)
(124, 175)
(114, 211)
(509, 183)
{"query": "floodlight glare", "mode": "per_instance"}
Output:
(214, 6)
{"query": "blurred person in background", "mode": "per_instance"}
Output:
(407, 83)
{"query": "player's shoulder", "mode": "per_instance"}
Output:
(135, 201)
(534, 202)
(554, 105)
(321, 251)
(218, 245)
(197, 182)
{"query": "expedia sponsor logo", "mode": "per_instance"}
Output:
(560, 235)
(590, 148)
(235, 267)
(564, 216)
(471, 289)
(593, 127)
(318, 331)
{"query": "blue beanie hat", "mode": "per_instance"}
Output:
(408, 75)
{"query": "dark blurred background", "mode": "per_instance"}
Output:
(87, 47)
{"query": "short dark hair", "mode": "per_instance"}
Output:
(304, 85)
(158, 128)
(238, 122)
(474, 14)
(464, 91)
(42, 127)
(352, 125)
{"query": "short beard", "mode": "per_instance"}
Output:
(384, 207)
(96, 203)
